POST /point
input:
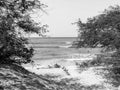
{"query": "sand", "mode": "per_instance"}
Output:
(87, 77)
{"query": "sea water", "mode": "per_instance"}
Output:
(57, 48)
(52, 48)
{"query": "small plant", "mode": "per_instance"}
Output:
(66, 71)
(57, 66)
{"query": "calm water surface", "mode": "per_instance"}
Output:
(53, 48)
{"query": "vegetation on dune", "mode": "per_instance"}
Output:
(14, 77)
(15, 20)
(103, 31)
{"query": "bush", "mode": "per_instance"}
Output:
(102, 30)
(14, 21)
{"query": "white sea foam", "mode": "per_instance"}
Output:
(68, 42)
(66, 46)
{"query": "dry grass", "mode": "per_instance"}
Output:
(14, 77)
(110, 63)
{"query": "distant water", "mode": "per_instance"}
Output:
(57, 48)
(52, 48)
(52, 42)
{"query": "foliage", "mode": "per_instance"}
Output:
(102, 30)
(14, 21)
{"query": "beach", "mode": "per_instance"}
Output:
(64, 63)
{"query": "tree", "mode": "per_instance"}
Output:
(14, 21)
(103, 29)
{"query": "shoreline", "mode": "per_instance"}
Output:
(86, 77)
(70, 69)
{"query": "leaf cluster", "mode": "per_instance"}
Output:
(14, 21)
(102, 30)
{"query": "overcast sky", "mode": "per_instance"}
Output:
(61, 13)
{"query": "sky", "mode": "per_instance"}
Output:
(62, 13)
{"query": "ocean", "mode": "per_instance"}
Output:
(53, 47)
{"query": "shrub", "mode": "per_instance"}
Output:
(15, 20)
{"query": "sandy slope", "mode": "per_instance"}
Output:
(42, 67)
(85, 77)
(14, 77)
